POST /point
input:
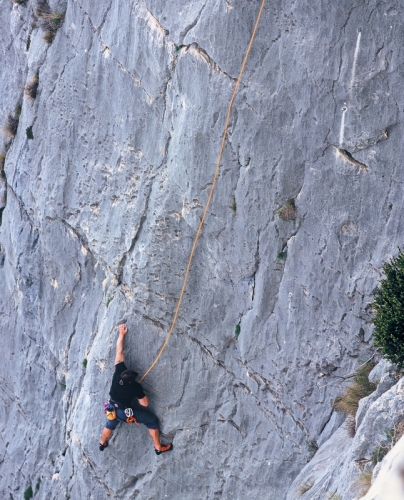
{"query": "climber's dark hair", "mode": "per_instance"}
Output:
(128, 376)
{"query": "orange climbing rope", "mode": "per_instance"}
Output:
(198, 232)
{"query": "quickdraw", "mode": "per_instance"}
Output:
(130, 419)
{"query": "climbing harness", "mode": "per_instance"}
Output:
(198, 232)
(110, 408)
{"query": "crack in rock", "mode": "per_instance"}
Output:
(188, 28)
(347, 157)
(371, 141)
(121, 264)
(23, 212)
(269, 414)
(107, 52)
(195, 49)
(84, 243)
(3, 193)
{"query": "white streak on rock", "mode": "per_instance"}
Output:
(358, 41)
(342, 128)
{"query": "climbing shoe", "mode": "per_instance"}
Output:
(166, 447)
(103, 446)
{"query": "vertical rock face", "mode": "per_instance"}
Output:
(101, 211)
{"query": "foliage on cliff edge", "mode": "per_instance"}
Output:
(388, 305)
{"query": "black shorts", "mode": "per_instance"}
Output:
(143, 416)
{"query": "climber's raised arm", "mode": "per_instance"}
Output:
(120, 357)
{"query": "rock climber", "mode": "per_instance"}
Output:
(123, 389)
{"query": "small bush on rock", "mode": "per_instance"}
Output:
(395, 433)
(379, 453)
(32, 87)
(28, 493)
(350, 425)
(312, 448)
(233, 206)
(361, 387)
(17, 110)
(306, 486)
(388, 335)
(363, 482)
(11, 126)
(288, 211)
(49, 21)
(28, 131)
(392, 435)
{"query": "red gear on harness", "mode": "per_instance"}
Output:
(130, 419)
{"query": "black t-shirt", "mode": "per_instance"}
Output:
(124, 393)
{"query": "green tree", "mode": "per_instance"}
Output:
(388, 304)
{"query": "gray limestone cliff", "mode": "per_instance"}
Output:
(98, 214)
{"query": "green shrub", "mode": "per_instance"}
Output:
(388, 335)
(392, 435)
(38, 484)
(379, 453)
(312, 448)
(28, 493)
(28, 131)
(281, 255)
(84, 363)
(361, 387)
(233, 205)
(17, 110)
(237, 330)
(395, 433)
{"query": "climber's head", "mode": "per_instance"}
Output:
(128, 376)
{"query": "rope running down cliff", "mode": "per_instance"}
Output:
(198, 232)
